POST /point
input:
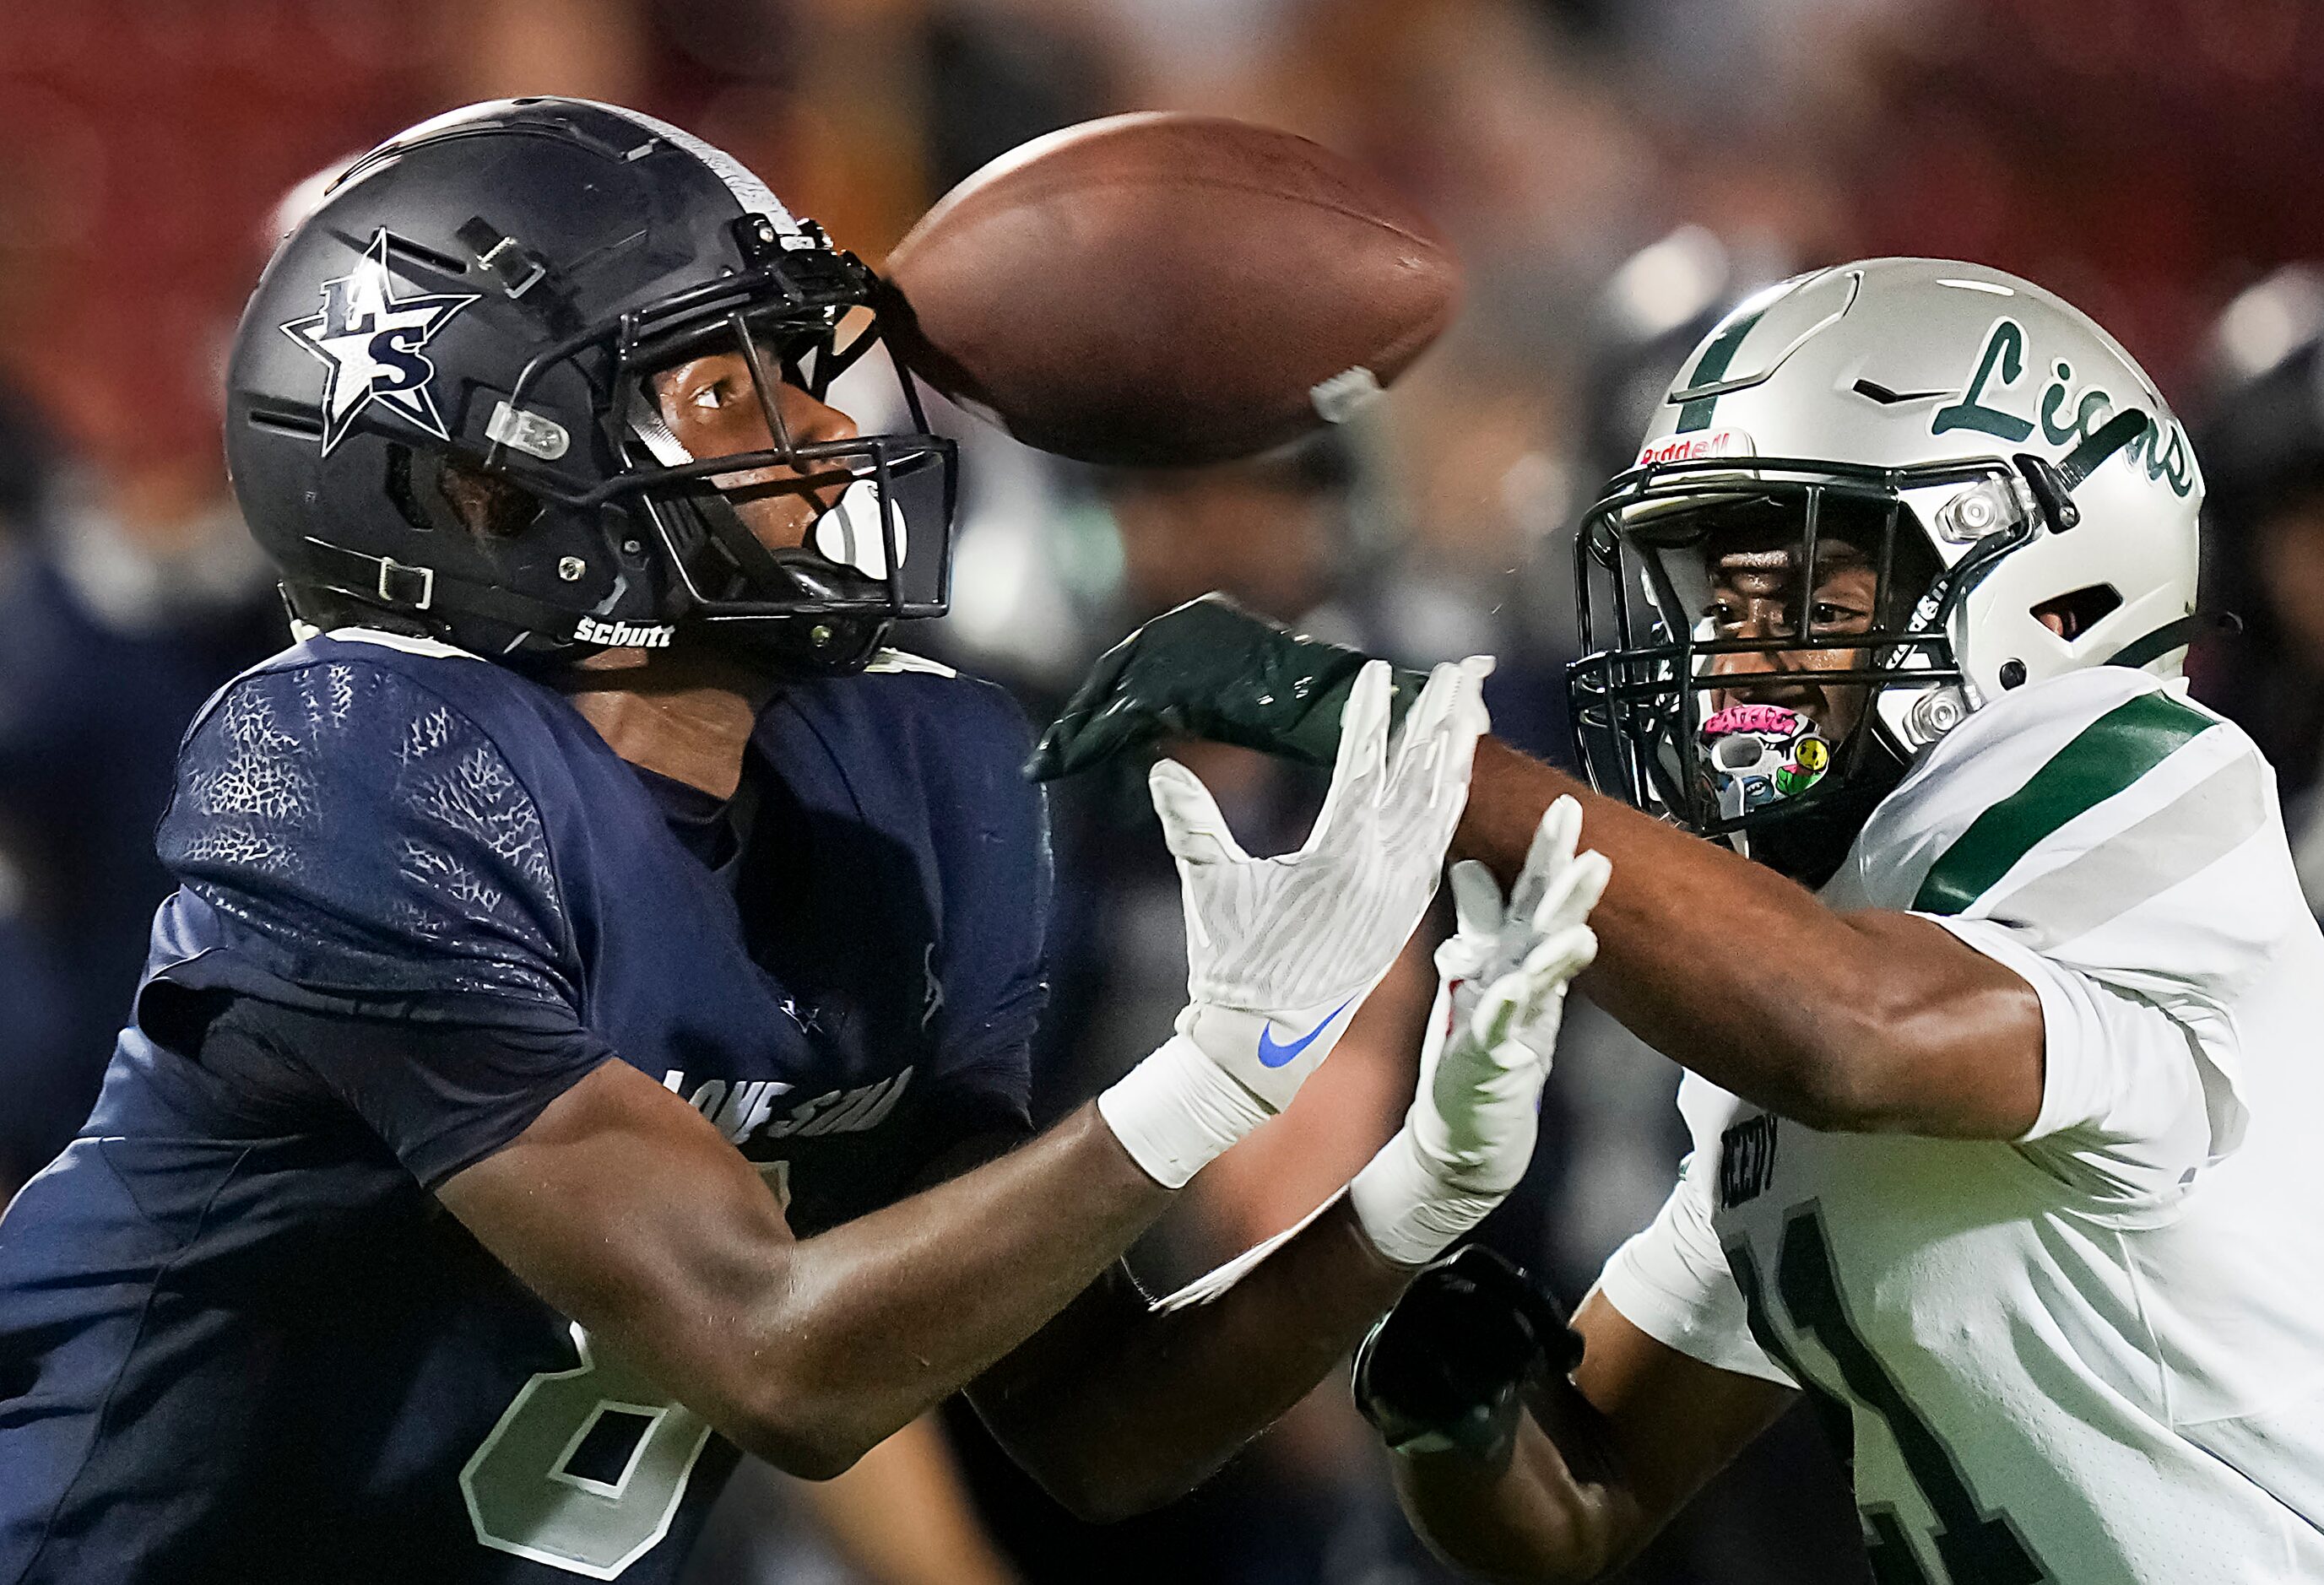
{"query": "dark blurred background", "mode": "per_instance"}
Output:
(1614, 174)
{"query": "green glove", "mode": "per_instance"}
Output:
(1212, 669)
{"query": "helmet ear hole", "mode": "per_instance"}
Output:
(435, 494)
(2071, 616)
(487, 505)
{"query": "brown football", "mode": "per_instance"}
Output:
(1161, 288)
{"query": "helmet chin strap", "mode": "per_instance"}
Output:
(2172, 635)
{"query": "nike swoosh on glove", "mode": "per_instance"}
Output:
(1280, 951)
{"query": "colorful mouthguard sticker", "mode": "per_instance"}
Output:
(1772, 719)
(1756, 754)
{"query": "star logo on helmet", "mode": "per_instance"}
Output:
(370, 341)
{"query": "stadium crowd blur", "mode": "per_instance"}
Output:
(1613, 172)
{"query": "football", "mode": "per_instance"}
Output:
(1161, 289)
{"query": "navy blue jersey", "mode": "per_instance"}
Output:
(419, 899)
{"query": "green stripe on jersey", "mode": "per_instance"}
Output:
(2107, 755)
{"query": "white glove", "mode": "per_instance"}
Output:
(1280, 951)
(1502, 991)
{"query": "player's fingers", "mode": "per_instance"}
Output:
(1423, 720)
(1430, 784)
(1072, 743)
(1066, 745)
(1476, 901)
(1500, 1011)
(1361, 765)
(1192, 825)
(1549, 966)
(1465, 720)
(1121, 725)
(1051, 755)
(1547, 857)
(1576, 889)
(1463, 958)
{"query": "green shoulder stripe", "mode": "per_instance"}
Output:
(2107, 755)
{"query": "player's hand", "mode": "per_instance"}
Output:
(1447, 1370)
(1210, 669)
(1500, 995)
(1280, 951)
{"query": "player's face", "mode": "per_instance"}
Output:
(1757, 593)
(709, 404)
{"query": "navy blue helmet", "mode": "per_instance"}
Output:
(439, 417)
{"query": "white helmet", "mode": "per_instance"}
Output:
(1995, 453)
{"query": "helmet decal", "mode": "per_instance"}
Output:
(370, 341)
(1712, 367)
(1694, 448)
(2005, 347)
(2067, 418)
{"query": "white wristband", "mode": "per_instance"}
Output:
(1177, 1111)
(1410, 1215)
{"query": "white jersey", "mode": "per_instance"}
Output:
(2094, 1355)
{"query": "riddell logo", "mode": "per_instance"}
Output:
(1696, 447)
(624, 635)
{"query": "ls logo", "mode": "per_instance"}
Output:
(370, 341)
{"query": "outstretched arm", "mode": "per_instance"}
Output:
(1866, 1021)
(624, 1208)
(627, 1211)
(1119, 1405)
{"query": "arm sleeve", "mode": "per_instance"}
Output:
(1672, 1282)
(368, 881)
(2131, 1108)
(362, 847)
(440, 1096)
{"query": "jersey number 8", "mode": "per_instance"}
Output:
(525, 1488)
(533, 1487)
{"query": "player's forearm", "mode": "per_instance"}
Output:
(1137, 1406)
(1552, 1514)
(1863, 1022)
(879, 1318)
